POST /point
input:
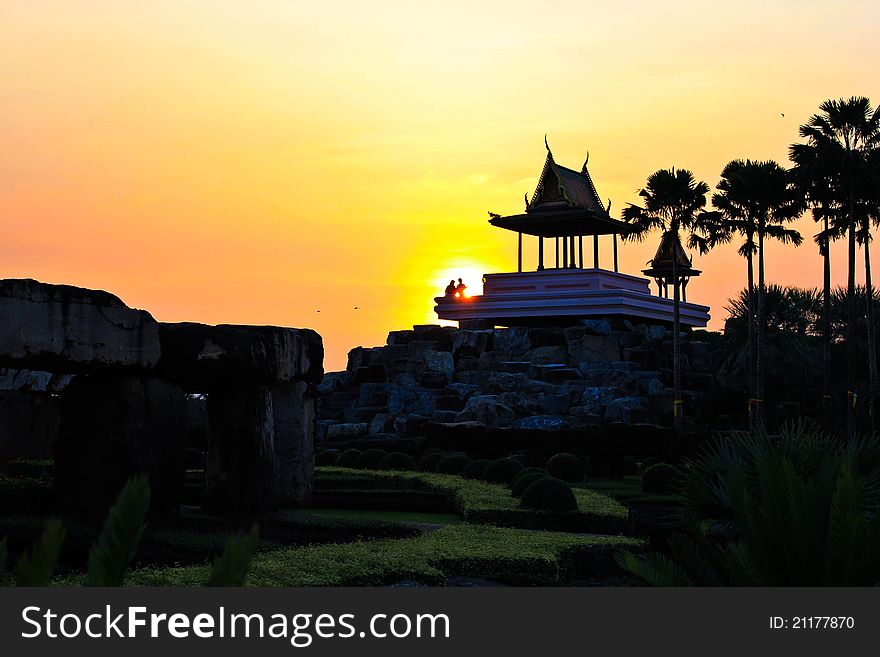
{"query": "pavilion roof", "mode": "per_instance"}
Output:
(670, 248)
(565, 202)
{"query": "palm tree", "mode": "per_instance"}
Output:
(816, 177)
(755, 199)
(852, 127)
(867, 210)
(672, 201)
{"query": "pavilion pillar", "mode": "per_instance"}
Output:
(615, 251)
(519, 252)
(557, 252)
(581, 251)
(572, 260)
(596, 251)
(684, 284)
(565, 253)
(540, 253)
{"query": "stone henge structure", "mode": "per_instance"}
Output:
(110, 392)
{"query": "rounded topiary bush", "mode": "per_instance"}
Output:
(429, 461)
(371, 459)
(454, 464)
(660, 478)
(566, 467)
(527, 471)
(348, 458)
(647, 463)
(524, 480)
(501, 471)
(629, 467)
(397, 461)
(327, 457)
(548, 494)
(475, 469)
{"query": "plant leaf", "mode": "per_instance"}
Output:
(233, 567)
(112, 553)
(35, 568)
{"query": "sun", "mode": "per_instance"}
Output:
(470, 273)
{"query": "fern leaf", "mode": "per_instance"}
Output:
(111, 555)
(233, 567)
(35, 568)
(656, 569)
(5, 578)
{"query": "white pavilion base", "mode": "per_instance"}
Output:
(535, 297)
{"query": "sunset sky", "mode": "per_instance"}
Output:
(257, 162)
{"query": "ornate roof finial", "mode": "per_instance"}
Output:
(608, 209)
(547, 145)
(584, 168)
(526, 197)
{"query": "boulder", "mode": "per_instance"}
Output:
(334, 381)
(373, 394)
(471, 343)
(293, 412)
(418, 348)
(584, 346)
(382, 423)
(419, 401)
(68, 329)
(513, 341)
(550, 336)
(541, 423)
(596, 398)
(205, 358)
(439, 361)
(115, 427)
(435, 380)
(514, 366)
(596, 326)
(628, 410)
(487, 410)
(242, 475)
(344, 431)
(363, 357)
(32, 380)
(551, 354)
(409, 425)
(503, 382)
(463, 390)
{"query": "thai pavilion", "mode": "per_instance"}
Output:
(564, 210)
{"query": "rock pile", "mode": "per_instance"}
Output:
(549, 379)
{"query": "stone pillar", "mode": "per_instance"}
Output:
(595, 251)
(519, 252)
(242, 472)
(293, 408)
(615, 251)
(540, 253)
(113, 427)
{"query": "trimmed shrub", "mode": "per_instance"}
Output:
(371, 459)
(629, 467)
(549, 494)
(475, 469)
(30, 468)
(429, 461)
(397, 461)
(660, 478)
(566, 467)
(454, 464)
(523, 481)
(326, 457)
(527, 471)
(502, 471)
(647, 463)
(349, 458)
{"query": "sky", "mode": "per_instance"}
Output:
(331, 164)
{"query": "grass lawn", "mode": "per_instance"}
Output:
(368, 515)
(629, 491)
(508, 555)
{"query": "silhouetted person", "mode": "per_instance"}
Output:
(460, 288)
(450, 289)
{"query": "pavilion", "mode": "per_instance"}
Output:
(565, 208)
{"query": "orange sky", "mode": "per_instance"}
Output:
(256, 162)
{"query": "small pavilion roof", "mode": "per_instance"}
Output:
(565, 203)
(670, 248)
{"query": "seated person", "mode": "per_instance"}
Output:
(460, 288)
(450, 289)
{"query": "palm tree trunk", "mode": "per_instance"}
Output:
(759, 359)
(851, 324)
(827, 410)
(676, 344)
(750, 298)
(869, 322)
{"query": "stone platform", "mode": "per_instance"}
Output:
(566, 294)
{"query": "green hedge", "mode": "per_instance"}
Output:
(481, 502)
(507, 555)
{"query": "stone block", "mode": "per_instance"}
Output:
(61, 328)
(488, 410)
(513, 341)
(293, 412)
